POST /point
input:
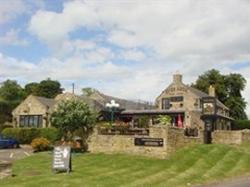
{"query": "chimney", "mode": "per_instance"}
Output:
(177, 78)
(211, 91)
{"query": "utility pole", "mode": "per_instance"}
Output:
(73, 88)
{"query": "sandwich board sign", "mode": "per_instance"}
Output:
(62, 158)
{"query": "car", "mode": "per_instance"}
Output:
(7, 142)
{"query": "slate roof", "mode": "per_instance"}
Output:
(102, 99)
(203, 94)
(46, 101)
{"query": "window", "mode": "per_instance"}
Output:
(176, 99)
(31, 121)
(165, 103)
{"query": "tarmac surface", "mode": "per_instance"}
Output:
(235, 182)
(11, 155)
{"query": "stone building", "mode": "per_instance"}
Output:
(184, 104)
(179, 101)
(35, 111)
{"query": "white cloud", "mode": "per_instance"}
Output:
(134, 55)
(185, 35)
(172, 29)
(12, 38)
(11, 9)
(72, 68)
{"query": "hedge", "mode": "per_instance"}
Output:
(26, 135)
(241, 124)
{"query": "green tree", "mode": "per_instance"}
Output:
(71, 116)
(88, 91)
(11, 94)
(11, 91)
(212, 77)
(31, 88)
(228, 90)
(46, 88)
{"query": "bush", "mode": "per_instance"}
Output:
(40, 144)
(51, 134)
(26, 135)
(5, 125)
(241, 124)
(11, 132)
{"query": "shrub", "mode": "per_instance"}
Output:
(51, 134)
(5, 125)
(40, 144)
(26, 135)
(164, 119)
(11, 132)
(241, 124)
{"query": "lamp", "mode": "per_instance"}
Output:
(112, 106)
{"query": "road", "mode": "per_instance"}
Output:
(11, 155)
(237, 182)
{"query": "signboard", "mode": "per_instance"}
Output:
(153, 142)
(62, 158)
(209, 105)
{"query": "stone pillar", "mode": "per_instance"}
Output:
(158, 131)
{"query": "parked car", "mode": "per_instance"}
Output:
(6, 142)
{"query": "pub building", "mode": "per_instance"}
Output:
(187, 107)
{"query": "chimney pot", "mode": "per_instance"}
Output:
(177, 78)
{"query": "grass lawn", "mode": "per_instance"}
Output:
(194, 165)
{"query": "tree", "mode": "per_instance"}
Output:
(88, 91)
(71, 116)
(46, 88)
(212, 77)
(31, 88)
(11, 94)
(11, 91)
(228, 90)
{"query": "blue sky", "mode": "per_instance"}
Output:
(125, 48)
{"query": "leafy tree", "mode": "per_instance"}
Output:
(228, 90)
(88, 91)
(212, 77)
(11, 90)
(71, 116)
(11, 94)
(46, 88)
(31, 88)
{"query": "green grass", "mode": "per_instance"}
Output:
(194, 165)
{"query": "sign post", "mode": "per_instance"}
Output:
(209, 110)
(62, 159)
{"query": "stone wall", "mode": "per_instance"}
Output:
(173, 139)
(231, 137)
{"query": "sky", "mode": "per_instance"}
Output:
(124, 48)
